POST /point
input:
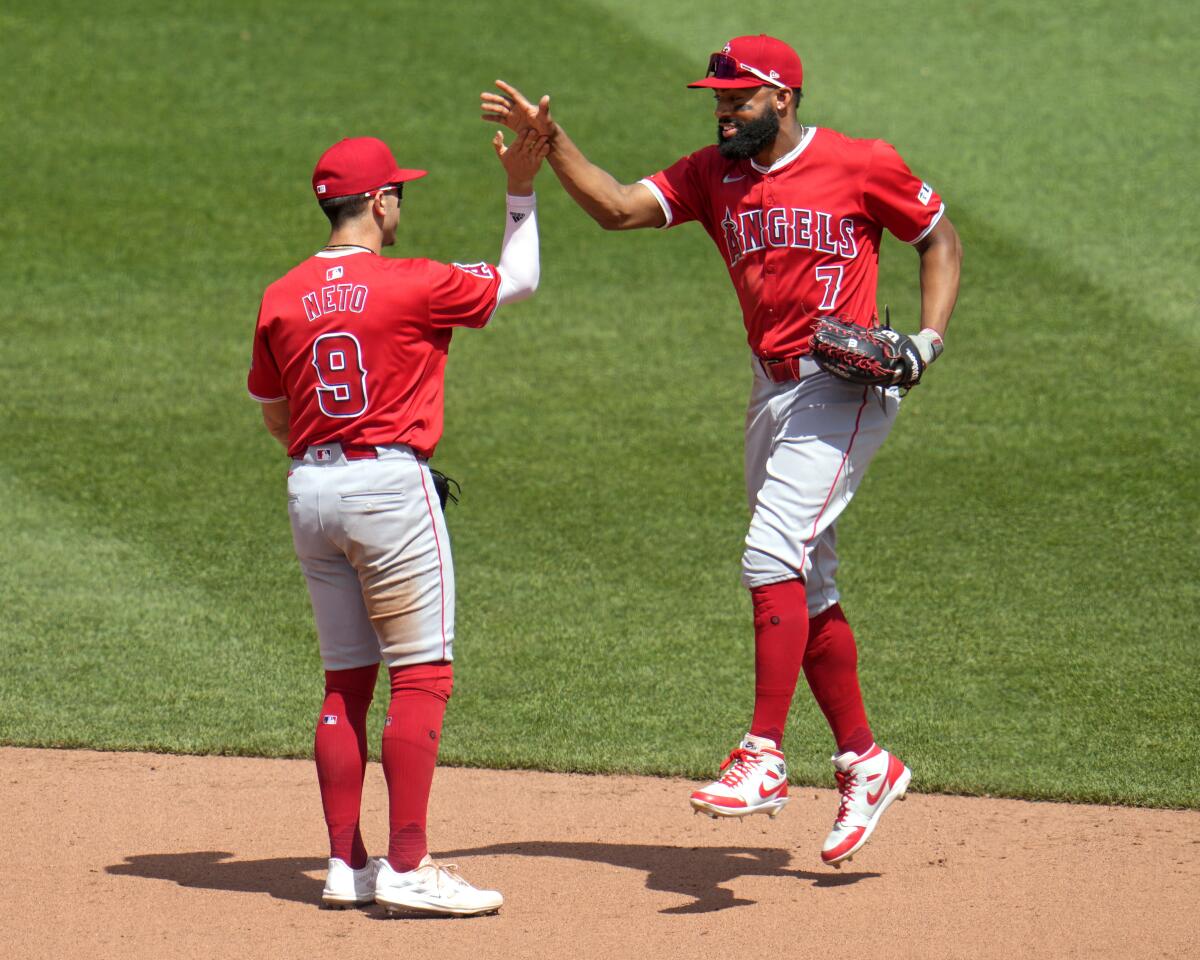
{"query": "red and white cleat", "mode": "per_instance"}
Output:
(753, 780)
(868, 785)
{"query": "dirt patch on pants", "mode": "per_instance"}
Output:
(144, 856)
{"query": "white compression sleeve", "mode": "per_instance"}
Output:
(519, 265)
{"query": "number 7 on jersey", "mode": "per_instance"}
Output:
(832, 278)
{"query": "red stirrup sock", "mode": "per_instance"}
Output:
(831, 667)
(340, 749)
(780, 635)
(411, 736)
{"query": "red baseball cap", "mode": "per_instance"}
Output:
(357, 165)
(753, 62)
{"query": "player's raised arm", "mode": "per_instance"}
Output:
(521, 160)
(613, 205)
(520, 256)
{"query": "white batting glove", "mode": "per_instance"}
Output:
(929, 344)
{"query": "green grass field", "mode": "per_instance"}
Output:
(1028, 627)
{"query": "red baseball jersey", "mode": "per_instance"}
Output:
(801, 238)
(357, 345)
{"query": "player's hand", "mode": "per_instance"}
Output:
(929, 344)
(522, 159)
(510, 109)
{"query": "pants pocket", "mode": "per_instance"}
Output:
(372, 501)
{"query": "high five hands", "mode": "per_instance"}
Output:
(522, 159)
(511, 109)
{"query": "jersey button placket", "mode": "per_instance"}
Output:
(771, 254)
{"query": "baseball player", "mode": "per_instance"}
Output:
(348, 362)
(797, 212)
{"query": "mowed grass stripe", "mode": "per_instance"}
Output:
(104, 648)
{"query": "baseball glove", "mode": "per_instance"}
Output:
(447, 487)
(876, 356)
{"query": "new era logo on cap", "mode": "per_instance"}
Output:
(321, 187)
(752, 61)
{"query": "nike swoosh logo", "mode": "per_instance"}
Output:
(872, 800)
(766, 793)
(728, 179)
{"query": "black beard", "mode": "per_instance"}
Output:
(751, 139)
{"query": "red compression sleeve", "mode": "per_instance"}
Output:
(831, 667)
(780, 636)
(340, 749)
(411, 737)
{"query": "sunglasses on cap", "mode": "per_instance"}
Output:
(724, 67)
(386, 188)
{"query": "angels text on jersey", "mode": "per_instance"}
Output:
(797, 227)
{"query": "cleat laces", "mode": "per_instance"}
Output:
(738, 763)
(845, 784)
(447, 874)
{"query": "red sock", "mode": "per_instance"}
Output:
(780, 635)
(831, 667)
(411, 737)
(340, 749)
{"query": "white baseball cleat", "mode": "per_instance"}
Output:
(347, 887)
(868, 785)
(753, 780)
(434, 889)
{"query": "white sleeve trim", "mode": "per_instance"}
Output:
(932, 223)
(662, 201)
(520, 260)
(266, 399)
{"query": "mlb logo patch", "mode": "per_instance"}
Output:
(335, 273)
(329, 720)
(323, 454)
(925, 193)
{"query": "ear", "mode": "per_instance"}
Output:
(784, 97)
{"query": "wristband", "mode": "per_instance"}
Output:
(929, 343)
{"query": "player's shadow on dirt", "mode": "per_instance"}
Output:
(283, 877)
(696, 872)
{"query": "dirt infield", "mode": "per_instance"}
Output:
(137, 856)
